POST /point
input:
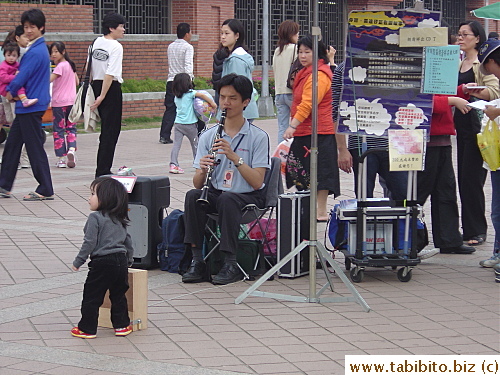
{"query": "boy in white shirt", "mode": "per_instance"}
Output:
(106, 72)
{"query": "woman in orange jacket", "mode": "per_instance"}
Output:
(298, 164)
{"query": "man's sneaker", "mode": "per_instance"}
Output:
(195, 273)
(229, 273)
(176, 169)
(71, 163)
(492, 262)
(497, 272)
(61, 163)
(427, 253)
(166, 141)
(78, 333)
(29, 102)
(123, 331)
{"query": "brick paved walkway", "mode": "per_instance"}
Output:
(451, 305)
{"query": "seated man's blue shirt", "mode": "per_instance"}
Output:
(251, 143)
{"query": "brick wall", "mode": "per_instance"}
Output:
(493, 25)
(59, 18)
(139, 105)
(205, 18)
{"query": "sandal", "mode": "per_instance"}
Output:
(4, 193)
(32, 196)
(477, 240)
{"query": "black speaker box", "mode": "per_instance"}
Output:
(147, 202)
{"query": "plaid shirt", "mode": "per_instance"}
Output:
(180, 58)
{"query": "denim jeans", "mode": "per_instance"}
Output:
(283, 105)
(495, 207)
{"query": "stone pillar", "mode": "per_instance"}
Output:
(205, 18)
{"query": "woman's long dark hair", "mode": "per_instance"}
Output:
(236, 27)
(478, 31)
(307, 40)
(113, 199)
(62, 50)
(286, 31)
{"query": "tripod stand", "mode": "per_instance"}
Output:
(315, 247)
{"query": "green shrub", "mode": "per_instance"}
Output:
(257, 83)
(143, 85)
(202, 83)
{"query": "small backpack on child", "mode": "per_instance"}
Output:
(171, 249)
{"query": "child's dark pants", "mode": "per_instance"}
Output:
(109, 272)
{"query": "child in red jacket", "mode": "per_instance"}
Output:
(8, 71)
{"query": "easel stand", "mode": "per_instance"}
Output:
(324, 257)
(315, 247)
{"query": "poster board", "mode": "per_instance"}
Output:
(382, 81)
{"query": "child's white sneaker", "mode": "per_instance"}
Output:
(71, 162)
(61, 163)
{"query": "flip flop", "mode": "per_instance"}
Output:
(476, 240)
(4, 193)
(32, 196)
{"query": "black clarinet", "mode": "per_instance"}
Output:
(203, 199)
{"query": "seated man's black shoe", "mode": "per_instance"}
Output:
(229, 273)
(463, 249)
(195, 272)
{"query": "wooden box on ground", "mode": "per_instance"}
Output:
(137, 300)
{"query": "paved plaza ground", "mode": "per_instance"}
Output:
(451, 305)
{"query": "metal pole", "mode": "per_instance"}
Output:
(265, 48)
(99, 17)
(265, 103)
(313, 236)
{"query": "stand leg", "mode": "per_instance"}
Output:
(324, 256)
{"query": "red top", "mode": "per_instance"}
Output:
(442, 117)
(302, 100)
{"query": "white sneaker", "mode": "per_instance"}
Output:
(427, 253)
(71, 163)
(492, 262)
(61, 163)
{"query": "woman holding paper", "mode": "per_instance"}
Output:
(471, 174)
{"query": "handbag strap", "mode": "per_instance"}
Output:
(89, 65)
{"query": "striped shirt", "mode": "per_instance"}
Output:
(354, 141)
(180, 59)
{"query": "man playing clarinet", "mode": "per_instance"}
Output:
(238, 161)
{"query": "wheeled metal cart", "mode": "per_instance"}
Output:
(381, 232)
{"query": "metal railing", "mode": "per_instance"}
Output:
(331, 22)
(143, 16)
(453, 11)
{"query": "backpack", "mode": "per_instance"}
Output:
(171, 249)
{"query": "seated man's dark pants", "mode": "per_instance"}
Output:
(228, 206)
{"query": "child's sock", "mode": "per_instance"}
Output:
(27, 102)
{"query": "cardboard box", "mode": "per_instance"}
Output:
(137, 300)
